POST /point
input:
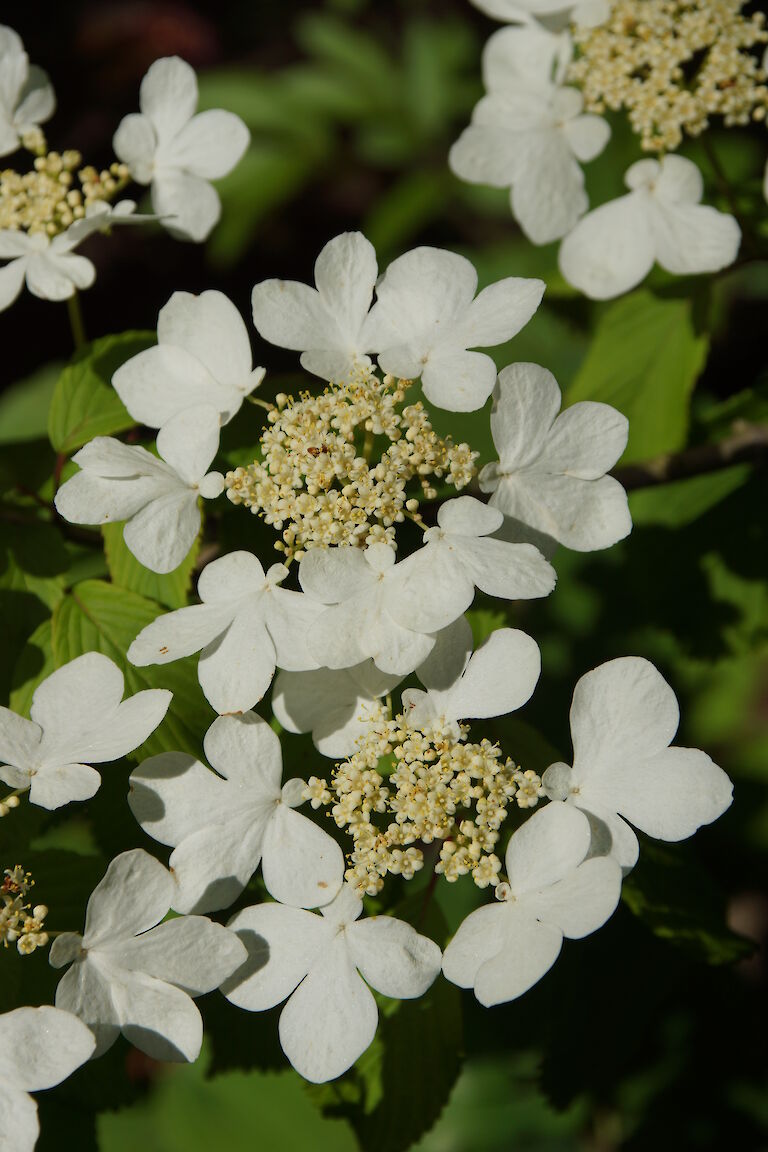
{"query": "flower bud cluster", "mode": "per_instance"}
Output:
(431, 786)
(317, 482)
(20, 923)
(47, 199)
(642, 57)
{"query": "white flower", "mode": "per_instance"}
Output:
(553, 891)
(530, 137)
(221, 826)
(178, 153)
(133, 974)
(328, 324)
(39, 1047)
(245, 625)
(50, 267)
(660, 220)
(461, 550)
(203, 356)
(157, 498)
(426, 316)
(496, 679)
(331, 703)
(371, 596)
(588, 13)
(79, 718)
(518, 58)
(550, 476)
(26, 96)
(324, 965)
(623, 718)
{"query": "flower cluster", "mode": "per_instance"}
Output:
(540, 121)
(20, 923)
(314, 487)
(641, 59)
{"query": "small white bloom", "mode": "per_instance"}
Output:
(466, 557)
(178, 153)
(323, 966)
(588, 13)
(501, 951)
(529, 135)
(245, 626)
(39, 1047)
(26, 96)
(156, 497)
(203, 356)
(550, 476)
(130, 973)
(221, 826)
(330, 703)
(427, 316)
(371, 596)
(79, 718)
(496, 679)
(51, 268)
(328, 324)
(660, 220)
(623, 718)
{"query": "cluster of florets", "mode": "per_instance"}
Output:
(318, 482)
(20, 923)
(47, 199)
(672, 64)
(436, 786)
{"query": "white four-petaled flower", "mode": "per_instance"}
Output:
(130, 973)
(323, 965)
(246, 625)
(660, 220)
(550, 475)
(39, 1047)
(202, 357)
(588, 13)
(79, 718)
(553, 891)
(623, 719)
(222, 825)
(156, 498)
(178, 153)
(26, 95)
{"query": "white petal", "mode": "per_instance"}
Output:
(456, 380)
(345, 273)
(331, 1018)
(432, 590)
(509, 571)
(526, 402)
(55, 277)
(581, 902)
(693, 238)
(19, 739)
(530, 949)
(289, 616)
(191, 952)
(134, 895)
(189, 442)
(189, 205)
(159, 1019)
(245, 750)
(211, 329)
(479, 938)
(329, 703)
(85, 991)
(172, 795)
(448, 658)
(162, 533)
(282, 945)
(530, 55)
(500, 311)
(302, 865)
(485, 154)
(549, 198)
(290, 315)
(178, 634)
(40, 1047)
(212, 866)
(11, 281)
(586, 440)
(550, 844)
(332, 575)
(135, 143)
(209, 145)
(106, 457)
(162, 381)
(677, 180)
(393, 957)
(56, 784)
(611, 249)
(584, 515)
(587, 136)
(499, 678)
(168, 95)
(89, 499)
(21, 1126)
(236, 668)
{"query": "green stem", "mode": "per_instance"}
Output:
(261, 403)
(76, 321)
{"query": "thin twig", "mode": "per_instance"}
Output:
(748, 444)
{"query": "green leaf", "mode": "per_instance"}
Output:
(24, 406)
(84, 402)
(675, 898)
(644, 359)
(99, 617)
(35, 662)
(126, 571)
(683, 501)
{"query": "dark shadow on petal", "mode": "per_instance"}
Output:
(258, 958)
